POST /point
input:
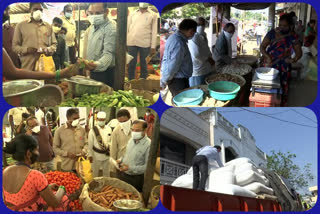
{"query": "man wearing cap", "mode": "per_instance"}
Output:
(141, 38)
(99, 142)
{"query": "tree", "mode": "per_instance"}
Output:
(195, 10)
(172, 14)
(283, 164)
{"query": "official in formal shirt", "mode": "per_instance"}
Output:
(100, 44)
(133, 164)
(176, 67)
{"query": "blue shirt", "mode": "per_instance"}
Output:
(211, 153)
(136, 156)
(176, 62)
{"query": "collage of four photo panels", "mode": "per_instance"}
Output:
(162, 106)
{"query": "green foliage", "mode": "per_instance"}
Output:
(283, 164)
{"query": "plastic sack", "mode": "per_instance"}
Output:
(185, 181)
(245, 167)
(248, 177)
(239, 161)
(259, 188)
(221, 176)
(84, 169)
(45, 64)
(232, 189)
(128, 58)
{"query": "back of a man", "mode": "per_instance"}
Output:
(176, 66)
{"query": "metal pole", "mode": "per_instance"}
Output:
(271, 16)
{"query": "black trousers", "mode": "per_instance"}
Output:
(135, 180)
(176, 85)
(200, 171)
(72, 54)
(107, 77)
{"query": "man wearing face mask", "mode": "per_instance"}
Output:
(100, 44)
(133, 164)
(44, 138)
(33, 37)
(222, 52)
(142, 31)
(176, 67)
(59, 55)
(99, 141)
(121, 135)
(7, 36)
(201, 55)
(71, 39)
(69, 140)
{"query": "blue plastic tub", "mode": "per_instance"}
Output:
(223, 90)
(189, 97)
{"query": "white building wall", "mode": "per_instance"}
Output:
(186, 126)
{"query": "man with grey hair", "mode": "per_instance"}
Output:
(133, 164)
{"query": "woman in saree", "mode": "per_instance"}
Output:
(25, 189)
(277, 48)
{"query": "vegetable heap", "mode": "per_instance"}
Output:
(118, 98)
(110, 194)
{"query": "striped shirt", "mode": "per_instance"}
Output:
(101, 45)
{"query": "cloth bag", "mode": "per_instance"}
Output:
(84, 169)
(45, 64)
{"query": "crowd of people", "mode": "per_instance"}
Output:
(34, 39)
(117, 148)
(187, 59)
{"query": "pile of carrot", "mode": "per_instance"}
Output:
(109, 194)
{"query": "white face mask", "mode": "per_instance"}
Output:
(56, 29)
(75, 123)
(36, 129)
(126, 127)
(101, 123)
(37, 15)
(68, 15)
(227, 34)
(137, 135)
(147, 113)
(96, 20)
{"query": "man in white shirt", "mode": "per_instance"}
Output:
(133, 164)
(120, 135)
(99, 142)
(201, 55)
(200, 162)
(259, 33)
(141, 36)
(41, 116)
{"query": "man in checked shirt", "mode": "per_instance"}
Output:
(100, 43)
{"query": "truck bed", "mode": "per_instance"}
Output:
(182, 199)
